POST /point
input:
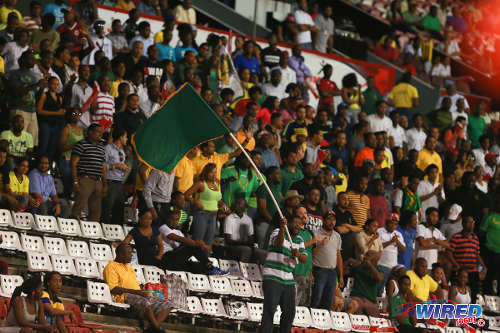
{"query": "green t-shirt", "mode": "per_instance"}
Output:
(371, 97)
(17, 144)
(397, 308)
(411, 18)
(431, 23)
(306, 267)
(491, 225)
(475, 128)
(252, 202)
(364, 284)
(263, 194)
(288, 178)
(241, 186)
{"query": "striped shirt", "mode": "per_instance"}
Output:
(91, 156)
(280, 263)
(359, 206)
(466, 251)
(105, 107)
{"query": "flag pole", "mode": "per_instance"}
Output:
(263, 181)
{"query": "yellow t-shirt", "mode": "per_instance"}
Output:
(241, 136)
(158, 37)
(200, 161)
(426, 158)
(4, 13)
(2, 66)
(126, 5)
(139, 185)
(114, 88)
(403, 94)
(120, 275)
(17, 187)
(421, 287)
(185, 172)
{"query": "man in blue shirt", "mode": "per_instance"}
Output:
(407, 227)
(43, 190)
(55, 8)
(248, 59)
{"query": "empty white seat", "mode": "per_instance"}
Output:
(494, 323)
(78, 249)
(341, 321)
(257, 290)
(480, 300)
(180, 274)
(5, 218)
(99, 293)
(255, 311)
(63, 265)
(113, 232)
(213, 307)
(101, 251)
(23, 221)
(321, 319)
(436, 327)
(87, 268)
(250, 271)
(139, 274)
(492, 303)
(39, 262)
(237, 310)
(360, 323)
(302, 317)
(453, 330)
(152, 274)
(8, 283)
(46, 223)
(91, 229)
(55, 245)
(241, 288)
(379, 322)
(220, 285)
(421, 325)
(70, 227)
(10, 241)
(32, 243)
(101, 264)
(382, 303)
(198, 283)
(231, 266)
(193, 305)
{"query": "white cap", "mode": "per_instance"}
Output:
(455, 210)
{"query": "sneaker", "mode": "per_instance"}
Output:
(217, 271)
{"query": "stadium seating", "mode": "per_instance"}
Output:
(8, 283)
(45, 223)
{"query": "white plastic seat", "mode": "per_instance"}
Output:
(87, 268)
(55, 245)
(241, 288)
(213, 307)
(70, 227)
(64, 265)
(494, 323)
(8, 283)
(113, 232)
(231, 266)
(277, 316)
(257, 290)
(198, 283)
(421, 325)
(380, 322)
(453, 330)
(126, 229)
(101, 251)
(492, 303)
(32, 243)
(480, 300)
(382, 303)
(10, 241)
(341, 321)
(255, 311)
(39, 262)
(91, 229)
(99, 293)
(101, 264)
(250, 271)
(193, 305)
(321, 319)
(436, 327)
(152, 274)
(237, 310)
(78, 249)
(46, 223)
(5, 218)
(302, 317)
(139, 274)
(24, 221)
(180, 274)
(360, 323)
(214, 261)
(220, 285)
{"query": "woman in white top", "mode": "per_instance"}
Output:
(460, 291)
(392, 287)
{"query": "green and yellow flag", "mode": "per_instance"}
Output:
(182, 123)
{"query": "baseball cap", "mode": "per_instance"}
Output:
(329, 213)
(455, 210)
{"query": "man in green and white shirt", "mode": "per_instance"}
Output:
(279, 285)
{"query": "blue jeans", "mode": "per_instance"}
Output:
(204, 227)
(48, 139)
(325, 283)
(278, 294)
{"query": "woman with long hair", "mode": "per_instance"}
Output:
(70, 135)
(271, 105)
(52, 305)
(19, 186)
(26, 312)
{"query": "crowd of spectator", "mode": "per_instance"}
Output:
(370, 189)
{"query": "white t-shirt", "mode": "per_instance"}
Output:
(271, 90)
(454, 100)
(378, 124)
(302, 17)
(389, 257)
(288, 75)
(431, 255)
(479, 154)
(425, 187)
(100, 44)
(398, 134)
(168, 244)
(240, 228)
(416, 139)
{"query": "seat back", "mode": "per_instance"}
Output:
(87, 268)
(220, 285)
(152, 274)
(46, 223)
(250, 271)
(492, 303)
(231, 266)
(360, 323)
(10, 241)
(180, 274)
(100, 266)
(379, 322)
(213, 307)
(91, 229)
(193, 305)
(98, 292)
(453, 330)
(139, 274)
(255, 311)
(8, 283)
(341, 321)
(277, 316)
(63, 265)
(5, 218)
(214, 261)
(32, 243)
(39, 262)
(24, 221)
(55, 245)
(257, 290)
(198, 283)
(69, 227)
(241, 288)
(480, 300)
(302, 317)
(101, 251)
(113, 232)
(321, 319)
(237, 310)
(78, 249)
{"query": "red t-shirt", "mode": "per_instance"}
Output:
(389, 54)
(366, 153)
(264, 116)
(240, 108)
(75, 31)
(409, 68)
(379, 210)
(328, 86)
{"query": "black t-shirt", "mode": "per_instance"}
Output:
(270, 57)
(131, 66)
(314, 219)
(153, 69)
(348, 239)
(129, 121)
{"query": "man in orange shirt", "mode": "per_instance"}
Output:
(366, 153)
